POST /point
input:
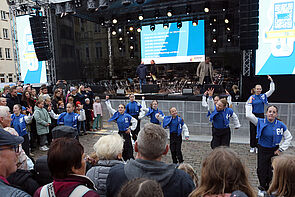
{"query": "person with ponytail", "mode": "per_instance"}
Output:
(270, 132)
(152, 112)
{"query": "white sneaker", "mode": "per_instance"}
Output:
(252, 150)
(44, 148)
(256, 150)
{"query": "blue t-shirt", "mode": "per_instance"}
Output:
(133, 108)
(258, 103)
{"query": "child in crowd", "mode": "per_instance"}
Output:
(70, 100)
(190, 171)
(61, 107)
(88, 110)
(82, 120)
(19, 122)
(43, 122)
(176, 127)
(97, 110)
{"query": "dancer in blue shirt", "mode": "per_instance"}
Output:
(219, 116)
(270, 132)
(259, 100)
(176, 127)
(151, 112)
(133, 108)
(126, 124)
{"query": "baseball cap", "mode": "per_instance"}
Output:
(7, 139)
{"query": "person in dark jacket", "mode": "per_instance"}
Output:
(141, 72)
(66, 162)
(9, 148)
(150, 146)
(109, 151)
(12, 98)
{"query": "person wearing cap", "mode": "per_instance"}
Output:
(9, 149)
(76, 96)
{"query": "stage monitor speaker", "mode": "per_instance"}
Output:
(40, 37)
(150, 88)
(187, 91)
(120, 91)
(218, 89)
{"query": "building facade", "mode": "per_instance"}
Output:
(7, 64)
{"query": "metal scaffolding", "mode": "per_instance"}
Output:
(247, 60)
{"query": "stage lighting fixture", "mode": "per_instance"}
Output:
(120, 38)
(195, 22)
(131, 28)
(78, 3)
(207, 7)
(157, 14)
(214, 40)
(226, 21)
(139, 29)
(115, 21)
(188, 10)
(152, 27)
(91, 5)
(120, 29)
(131, 55)
(103, 4)
(126, 2)
(214, 51)
(114, 32)
(179, 24)
(101, 21)
(166, 25)
(169, 12)
(131, 47)
(140, 1)
(228, 29)
(59, 9)
(140, 16)
(214, 30)
(69, 8)
(206, 10)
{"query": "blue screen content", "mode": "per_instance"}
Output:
(173, 45)
(275, 54)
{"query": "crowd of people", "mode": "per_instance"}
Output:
(29, 120)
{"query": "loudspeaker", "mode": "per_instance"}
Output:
(150, 88)
(40, 37)
(187, 91)
(218, 89)
(120, 91)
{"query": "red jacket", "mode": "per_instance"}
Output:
(64, 187)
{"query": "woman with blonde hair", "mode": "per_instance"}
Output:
(108, 150)
(283, 181)
(223, 174)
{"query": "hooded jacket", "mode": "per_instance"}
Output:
(42, 119)
(174, 182)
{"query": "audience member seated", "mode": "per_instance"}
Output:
(223, 174)
(283, 181)
(43, 175)
(66, 162)
(151, 146)
(9, 148)
(108, 150)
(141, 187)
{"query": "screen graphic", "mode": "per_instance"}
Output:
(275, 54)
(32, 71)
(173, 45)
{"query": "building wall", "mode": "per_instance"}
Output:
(7, 65)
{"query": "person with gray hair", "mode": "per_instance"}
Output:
(151, 146)
(108, 150)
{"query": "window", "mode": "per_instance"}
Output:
(1, 56)
(98, 50)
(7, 53)
(10, 77)
(5, 33)
(3, 15)
(87, 51)
(2, 78)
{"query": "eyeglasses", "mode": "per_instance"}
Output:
(15, 148)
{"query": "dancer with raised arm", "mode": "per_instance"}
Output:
(152, 112)
(259, 100)
(126, 124)
(270, 132)
(219, 116)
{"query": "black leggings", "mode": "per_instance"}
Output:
(26, 144)
(253, 131)
(175, 147)
(127, 147)
(136, 131)
(220, 137)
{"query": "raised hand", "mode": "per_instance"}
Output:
(205, 93)
(107, 97)
(269, 78)
(226, 92)
(210, 91)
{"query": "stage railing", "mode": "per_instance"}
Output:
(195, 116)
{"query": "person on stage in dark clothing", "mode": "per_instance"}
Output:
(126, 124)
(270, 132)
(133, 109)
(259, 100)
(141, 72)
(154, 72)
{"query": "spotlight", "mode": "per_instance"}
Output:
(179, 24)
(131, 55)
(120, 46)
(214, 51)
(214, 40)
(131, 37)
(103, 4)
(169, 13)
(188, 10)
(152, 27)
(140, 1)
(228, 29)
(101, 21)
(121, 38)
(214, 30)
(131, 28)
(131, 47)
(139, 29)
(166, 25)
(126, 2)
(120, 29)
(114, 32)
(226, 21)
(157, 14)
(115, 21)
(207, 7)
(195, 22)
(140, 16)
(206, 10)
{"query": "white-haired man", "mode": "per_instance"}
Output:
(150, 146)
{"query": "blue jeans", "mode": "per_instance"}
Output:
(81, 127)
(141, 82)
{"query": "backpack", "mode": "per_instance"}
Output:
(48, 191)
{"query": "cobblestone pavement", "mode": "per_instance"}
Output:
(194, 152)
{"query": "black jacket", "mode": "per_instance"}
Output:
(141, 71)
(43, 175)
(174, 182)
